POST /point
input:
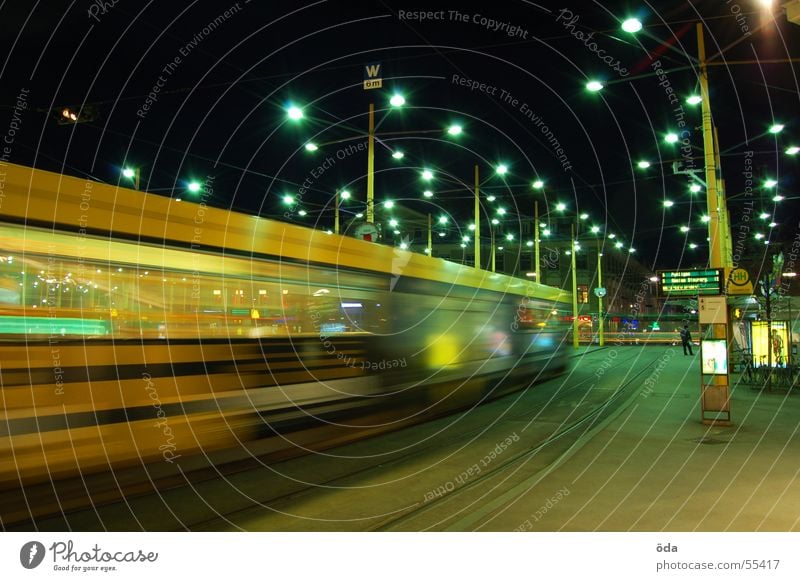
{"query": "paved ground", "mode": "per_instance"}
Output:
(654, 466)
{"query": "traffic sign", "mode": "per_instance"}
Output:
(600, 292)
(738, 282)
(372, 79)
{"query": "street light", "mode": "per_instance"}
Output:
(132, 174)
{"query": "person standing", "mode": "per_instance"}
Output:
(686, 340)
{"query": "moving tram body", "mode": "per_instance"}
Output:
(136, 330)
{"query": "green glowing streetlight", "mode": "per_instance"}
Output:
(509, 237)
(465, 238)
(455, 129)
(129, 173)
(692, 245)
(397, 100)
(538, 185)
(561, 206)
(644, 164)
(793, 150)
(694, 99)
(495, 221)
(502, 169)
(345, 195)
(778, 198)
(302, 213)
(764, 216)
(594, 86)
(393, 223)
(705, 218)
(427, 175)
(491, 198)
(618, 244)
(397, 154)
(694, 188)
(632, 25)
(584, 216)
(294, 112)
(501, 211)
(427, 194)
(668, 203)
(311, 146)
(471, 227)
(194, 187)
(288, 199)
(595, 229)
(776, 128)
(388, 204)
(759, 236)
(684, 229)
(770, 183)
(671, 137)
(442, 219)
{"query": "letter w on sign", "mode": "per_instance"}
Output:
(372, 71)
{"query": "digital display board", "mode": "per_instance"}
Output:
(692, 282)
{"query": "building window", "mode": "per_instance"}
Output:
(583, 293)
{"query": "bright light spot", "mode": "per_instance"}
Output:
(529, 243)
(643, 164)
(594, 86)
(546, 231)
(561, 206)
(471, 227)
(288, 199)
(345, 195)
(403, 246)
(538, 184)
(694, 99)
(128, 173)
(502, 169)
(584, 216)
(793, 150)
(491, 198)
(311, 147)
(770, 183)
(668, 203)
(397, 101)
(495, 221)
(684, 228)
(427, 174)
(360, 215)
(509, 237)
(441, 234)
(671, 138)
(501, 211)
(455, 130)
(302, 212)
(194, 187)
(631, 250)
(442, 219)
(632, 25)
(692, 245)
(764, 216)
(295, 113)
(427, 194)
(595, 229)
(778, 198)
(398, 154)
(465, 238)
(393, 223)
(705, 218)
(776, 128)
(618, 244)
(773, 224)
(388, 204)
(694, 188)
(612, 236)
(397, 231)
(759, 236)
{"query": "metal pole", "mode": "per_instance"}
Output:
(491, 227)
(136, 178)
(336, 213)
(600, 298)
(536, 240)
(575, 342)
(371, 166)
(712, 201)
(430, 239)
(477, 220)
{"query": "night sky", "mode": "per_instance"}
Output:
(200, 90)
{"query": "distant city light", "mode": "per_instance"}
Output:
(778, 198)
(595, 229)
(471, 227)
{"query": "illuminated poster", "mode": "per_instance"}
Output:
(714, 356)
(778, 336)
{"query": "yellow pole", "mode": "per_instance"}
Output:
(600, 298)
(712, 195)
(725, 224)
(536, 240)
(136, 178)
(371, 166)
(493, 248)
(477, 220)
(575, 342)
(336, 213)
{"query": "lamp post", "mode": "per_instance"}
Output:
(575, 342)
(478, 221)
(600, 294)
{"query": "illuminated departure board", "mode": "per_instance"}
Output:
(692, 282)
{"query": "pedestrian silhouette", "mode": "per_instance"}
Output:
(686, 340)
